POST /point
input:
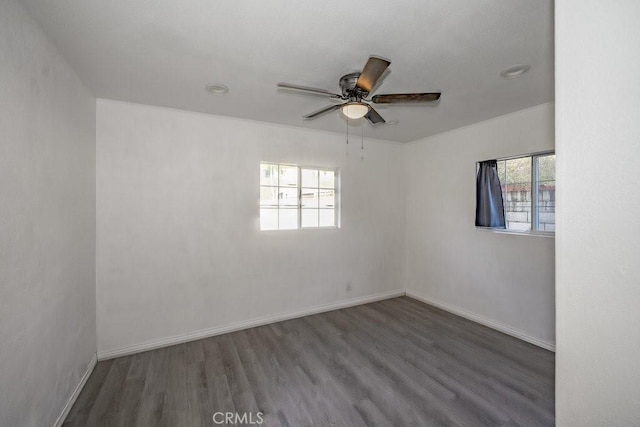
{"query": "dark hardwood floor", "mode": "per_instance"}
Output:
(397, 362)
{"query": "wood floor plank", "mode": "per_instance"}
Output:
(197, 386)
(87, 398)
(328, 392)
(278, 384)
(397, 362)
(459, 339)
(417, 352)
(456, 399)
(132, 391)
(175, 410)
(152, 404)
(106, 407)
(300, 407)
(444, 406)
(373, 380)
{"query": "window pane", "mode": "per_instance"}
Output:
(288, 176)
(288, 196)
(269, 196)
(288, 219)
(516, 191)
(309, 217)
(518, 170)
(546, 188)
(502, 171)
(309, 177)
(327, 217)
(309, 198)
(327, 179)
(327, 198)
(268, 219)
(268, 174)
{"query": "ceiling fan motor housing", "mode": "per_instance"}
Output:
(349, 88)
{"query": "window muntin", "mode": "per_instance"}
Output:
(528, 192)
(293, 197)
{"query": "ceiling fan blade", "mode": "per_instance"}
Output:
(374, 117)
(371, 72)
(406, 97)
(309, 90)
(323, 111)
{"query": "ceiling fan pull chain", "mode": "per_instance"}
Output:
(362, 142)
(347, 122)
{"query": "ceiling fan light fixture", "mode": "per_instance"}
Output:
(355, 110)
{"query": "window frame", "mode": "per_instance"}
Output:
(298, 207)
(535, 220)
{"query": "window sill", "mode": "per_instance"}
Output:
(518, 233)
(302, 229)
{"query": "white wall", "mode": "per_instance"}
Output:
(178, 242)
(598, 241)
(47, 225)
(500, 279)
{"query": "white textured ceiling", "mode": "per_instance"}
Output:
(163, 52)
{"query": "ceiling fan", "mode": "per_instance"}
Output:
(356, 87)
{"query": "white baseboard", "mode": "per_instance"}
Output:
(76, 392)
(483, 321)
(236, 326)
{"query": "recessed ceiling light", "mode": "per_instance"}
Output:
(515, 71)
(216, 89)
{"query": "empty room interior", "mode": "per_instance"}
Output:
(319, 213)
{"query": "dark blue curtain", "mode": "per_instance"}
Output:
(489, 204)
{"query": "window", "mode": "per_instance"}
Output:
(293, 197)
(529, 192)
